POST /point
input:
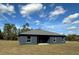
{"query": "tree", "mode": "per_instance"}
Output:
(1, 34)
(10, 32)
(73, 37)
(18, 31)
(25, 27)
(14, 33)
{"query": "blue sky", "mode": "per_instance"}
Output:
(55, 17)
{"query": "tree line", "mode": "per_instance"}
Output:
(10, 31)
(72, 37)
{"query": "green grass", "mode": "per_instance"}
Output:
(13, 48)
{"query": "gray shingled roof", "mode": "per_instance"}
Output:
(38, 32)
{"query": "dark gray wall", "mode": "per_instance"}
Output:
(33, 39)
(57, 40)
(23, 40)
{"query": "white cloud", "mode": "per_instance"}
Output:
(18, 26)
(62, 33)
(66, 21)
(37, 22)
(70, 18)
(29, 8)
(44, 7)
(2, 8)
(73, 28)
(42, 15)
(76, 22)
(9, 9)
(70, 32)
(58, 10)
(73, 16)
(6, 8)
(48, 28)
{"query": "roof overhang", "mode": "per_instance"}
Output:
(39, 35)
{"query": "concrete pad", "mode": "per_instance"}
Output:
(43, 44)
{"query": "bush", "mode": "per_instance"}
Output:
(72, 38)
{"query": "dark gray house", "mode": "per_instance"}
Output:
(40, 36)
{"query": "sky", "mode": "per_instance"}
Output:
(62, 18)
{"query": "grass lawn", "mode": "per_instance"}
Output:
(13, 48)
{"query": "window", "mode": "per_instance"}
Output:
(28, 40)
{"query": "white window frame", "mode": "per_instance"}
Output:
(28, 39)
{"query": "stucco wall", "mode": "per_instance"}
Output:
(57, 40)
(23, 40)
(33, 40)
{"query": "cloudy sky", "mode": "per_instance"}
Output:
(60, 18)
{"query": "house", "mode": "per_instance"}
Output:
(40, 36)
